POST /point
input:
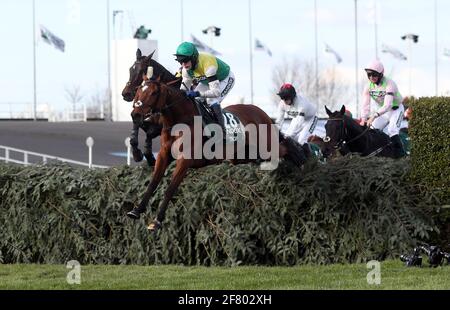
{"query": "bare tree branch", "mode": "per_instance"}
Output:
(74, 95)
(333, 91)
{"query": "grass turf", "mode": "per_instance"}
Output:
(394, 275)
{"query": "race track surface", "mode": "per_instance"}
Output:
(68, 140)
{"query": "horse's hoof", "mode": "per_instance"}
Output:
(137, 155)
(150, 159)
(154, 226)
(134, 214)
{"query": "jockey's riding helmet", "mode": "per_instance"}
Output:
(375, 68)
(187, 51)
(287, 91)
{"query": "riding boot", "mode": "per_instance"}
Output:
(307, 150)
(397, 146)
(218, 114)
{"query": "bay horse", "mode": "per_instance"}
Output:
(345, 135)
(175, 108)
(152, 129)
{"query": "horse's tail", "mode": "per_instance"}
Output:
(296, 153)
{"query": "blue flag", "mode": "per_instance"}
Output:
(329, 50)
(393, 51)
(259, 46)
(203, 47)
(51, 39)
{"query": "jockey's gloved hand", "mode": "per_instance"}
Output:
(192, 93)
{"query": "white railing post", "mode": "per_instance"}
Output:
(85, 112)
(102, 111)
(128, 145)
(90, 144)
(26, 154)
(44, 159)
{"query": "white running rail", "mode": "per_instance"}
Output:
(7, 158)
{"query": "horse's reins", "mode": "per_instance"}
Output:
(342, 141)
(173, 82)
(160, 111)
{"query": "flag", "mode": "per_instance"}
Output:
(328, 49)
(393, 51)
(446, 53)
(259, 46)
(51, 39)
(203, 47)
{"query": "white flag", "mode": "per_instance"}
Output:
(393, 51)
(328, 49)
(446, 53)
(259, 46)
(203, 47)
(51, 39)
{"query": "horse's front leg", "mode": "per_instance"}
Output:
(152, 131)
(178, 175)
(134, 142)
(161, 165)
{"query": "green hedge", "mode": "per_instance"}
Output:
(430, 135)
(350, 210)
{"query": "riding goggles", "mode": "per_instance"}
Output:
(372, 73)
(183, 59)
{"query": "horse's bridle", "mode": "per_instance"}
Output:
(156, 111)
(343, 133)
(139, 84)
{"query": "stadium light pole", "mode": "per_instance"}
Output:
(116, 85)
(375, 23)
(250, 48)
(212, 31)
(182, 20)
(108, 42)
(34, 61)
(412, 38)
(316, 54)
(356, 58)
(436, 76)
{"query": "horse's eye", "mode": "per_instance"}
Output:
(327, 139)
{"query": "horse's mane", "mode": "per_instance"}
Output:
(160, 70)
(352, 122)
(173, 90)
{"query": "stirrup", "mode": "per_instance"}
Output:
(154, 225)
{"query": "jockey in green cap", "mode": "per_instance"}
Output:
(211, 77)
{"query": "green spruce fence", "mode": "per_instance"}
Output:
(350, 210)
(430, 135)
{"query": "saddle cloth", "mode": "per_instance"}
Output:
(234, 128)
